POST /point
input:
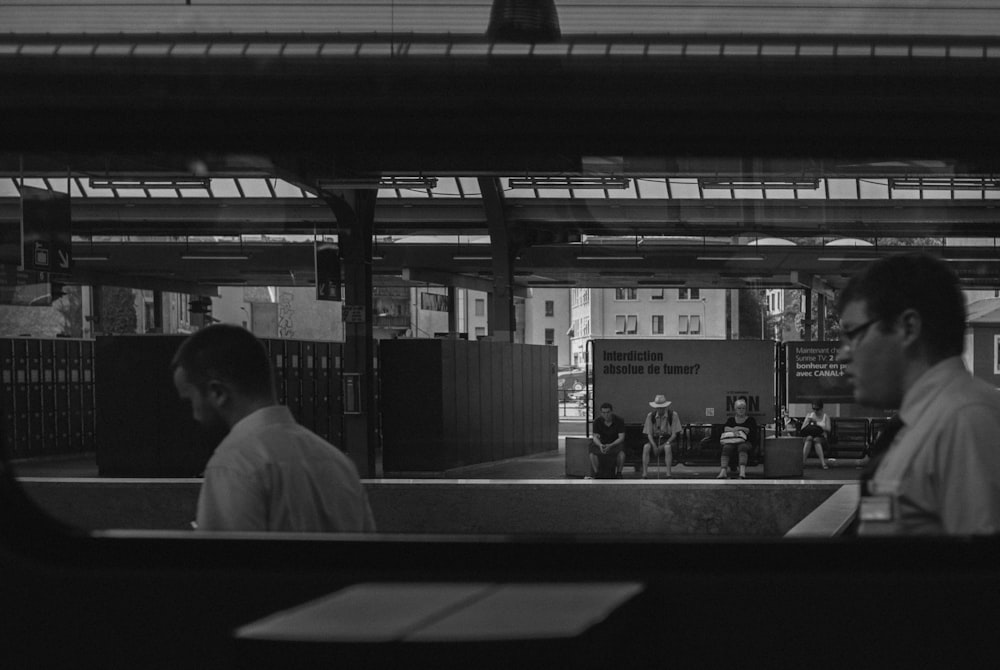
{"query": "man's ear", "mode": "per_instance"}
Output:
(218, 392)
(911, 325)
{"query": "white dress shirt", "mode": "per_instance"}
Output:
(270, 473)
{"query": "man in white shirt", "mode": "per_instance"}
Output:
(902, 337)
(268, 473)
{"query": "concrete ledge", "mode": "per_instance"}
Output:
(763, 508)
(832, 517)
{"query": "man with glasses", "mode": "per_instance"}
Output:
(902, 337)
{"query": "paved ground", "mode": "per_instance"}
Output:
(552, 465)
(547, 465)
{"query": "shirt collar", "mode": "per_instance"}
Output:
(924, 394)
(260, 418)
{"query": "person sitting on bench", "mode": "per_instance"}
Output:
(739, 435)
(607, 448)
(661, 430)
(815, 428)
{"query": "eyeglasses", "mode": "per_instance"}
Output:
(851, 338)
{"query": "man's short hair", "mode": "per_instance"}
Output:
(229, 354)
(606, 405)
(917, 281)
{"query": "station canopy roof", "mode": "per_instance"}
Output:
(185, 220)
(697, 227)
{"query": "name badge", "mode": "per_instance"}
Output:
(875, 508)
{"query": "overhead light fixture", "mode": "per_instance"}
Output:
(944, 184)
(974, 259)
(735, 257)
(630, 257)
(571, 183)
(764, 184)
(143, 183)
(377, 182)
(215, 257)
(461, 257)
(842, 259)
(91, 258)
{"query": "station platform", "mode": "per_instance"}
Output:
(546, 465)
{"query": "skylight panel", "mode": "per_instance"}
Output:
(255, 188)
(874, 188)
(685, 188)
(284, 189)
(651, 188)
(224, 187)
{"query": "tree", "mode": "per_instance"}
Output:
(117, 315)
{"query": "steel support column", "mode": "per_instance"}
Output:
(502, 320)
(355, 214)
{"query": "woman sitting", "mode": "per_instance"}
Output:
(815, 427)
(739, 435)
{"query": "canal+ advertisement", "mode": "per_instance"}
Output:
(702, 378)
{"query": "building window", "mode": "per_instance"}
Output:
(480, 307)
(550, 336)
(657, 294)
(550, 308)
(626, 324)
(625, 294)
(480, 332)
(657, 327)
(689, 325)
(689, 294)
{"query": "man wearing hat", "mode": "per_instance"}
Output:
(661, 430)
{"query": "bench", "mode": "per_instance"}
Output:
(704, 447)
(850, 437)
(634, 441)
(698, 445)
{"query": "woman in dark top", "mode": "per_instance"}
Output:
(745, 429)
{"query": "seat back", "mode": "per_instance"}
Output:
(849, 434)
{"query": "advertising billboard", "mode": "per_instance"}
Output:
(815, 374)
(702, 378)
